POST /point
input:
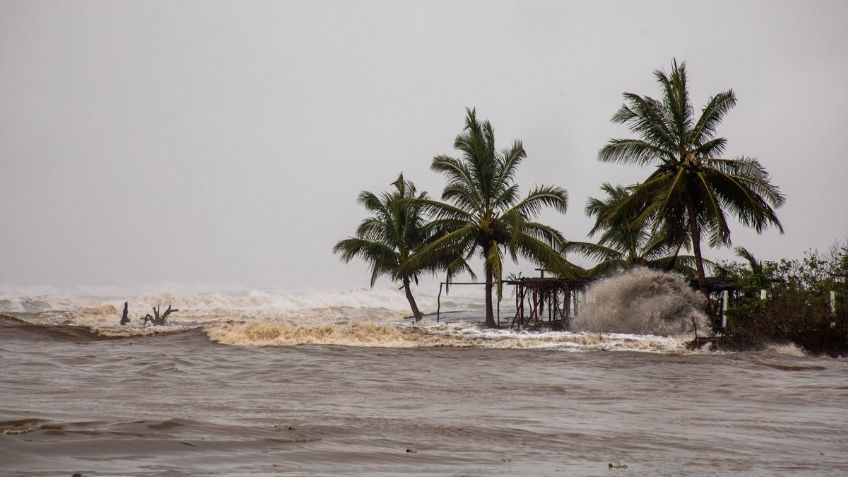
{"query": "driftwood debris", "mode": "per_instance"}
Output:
(125, 316)
(155, 319)
(158, 319)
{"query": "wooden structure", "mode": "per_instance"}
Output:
(534, 297)
(546, 299)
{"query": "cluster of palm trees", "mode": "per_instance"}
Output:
(688, 196)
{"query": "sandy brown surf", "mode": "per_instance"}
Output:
(182, 405)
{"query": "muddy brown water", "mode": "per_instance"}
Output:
(181, 405)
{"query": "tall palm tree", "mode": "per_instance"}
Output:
(395, 230)
(482, 211)
(622, 245)
(692, 187)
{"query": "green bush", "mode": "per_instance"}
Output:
(797, 308)
(790, 314)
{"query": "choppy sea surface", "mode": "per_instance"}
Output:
(260, 383)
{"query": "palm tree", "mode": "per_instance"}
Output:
(483, 212)
(622, 246)
(692, 187)
(395, 230)
(760, 277)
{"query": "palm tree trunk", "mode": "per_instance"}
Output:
(411, 299)
(673, 262)
(696, 248)
(490, 315)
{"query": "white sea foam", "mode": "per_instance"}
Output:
(786, 349)
(41, 299)
(100, 308)
(642, 301)
(428, 334)
(205, 306)
(272, 317)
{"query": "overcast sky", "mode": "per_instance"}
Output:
(226, 142)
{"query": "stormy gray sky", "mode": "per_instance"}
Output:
(225, 142)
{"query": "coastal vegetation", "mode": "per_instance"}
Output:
(482, 210)
(397, 229)
(801, 301)
(691, 192)
(628, 243)
(692, 187)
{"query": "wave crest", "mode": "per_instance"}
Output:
(267, 333)
(428, 335)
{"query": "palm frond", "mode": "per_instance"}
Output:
(713, 113)
(542, 196)
(633, 151)
(593, 251)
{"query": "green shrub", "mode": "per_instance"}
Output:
(797, 308)
(791, 314)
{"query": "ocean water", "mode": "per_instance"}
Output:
(268, 382)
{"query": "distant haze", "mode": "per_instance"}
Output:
(226, 142)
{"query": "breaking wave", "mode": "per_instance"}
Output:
(428, 335)
(101, 309)
(642, 301)
(641, 311)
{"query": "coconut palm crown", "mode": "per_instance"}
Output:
(483, 212)
(692, 188)
(622, 246)
(396, 229)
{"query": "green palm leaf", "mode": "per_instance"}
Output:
(692, 191)
(481, 211)
(395, 231)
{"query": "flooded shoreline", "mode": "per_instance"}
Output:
(367, 333)
(180, 404)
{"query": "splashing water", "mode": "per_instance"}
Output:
(427, 334)
(364, 318)
(642, 301)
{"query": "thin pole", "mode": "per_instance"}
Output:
(439, 303)
(725, 298)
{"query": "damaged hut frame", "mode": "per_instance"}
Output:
(554, 300)
(540, 300)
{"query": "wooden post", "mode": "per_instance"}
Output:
(517, 306)
(725, 298)
(523, 298)
(439, 303)
(550, 304)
